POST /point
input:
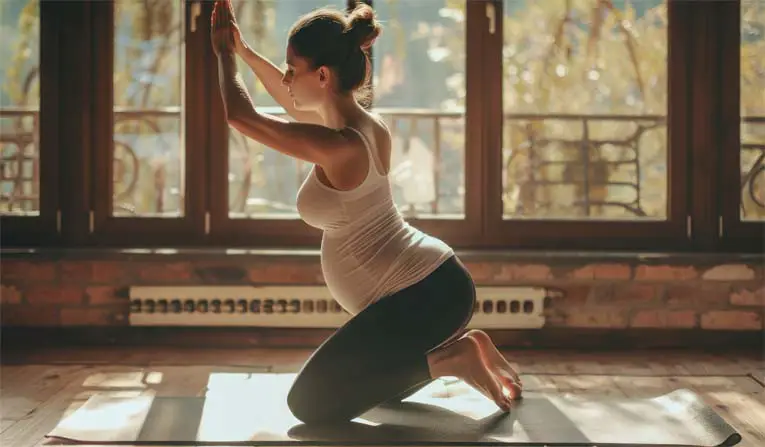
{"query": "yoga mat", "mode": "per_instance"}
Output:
(251, 409)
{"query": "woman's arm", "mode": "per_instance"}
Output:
(310, 142)
(271, 77)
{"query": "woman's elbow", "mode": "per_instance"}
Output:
(234, 117)
(242, 123)
(235, 122)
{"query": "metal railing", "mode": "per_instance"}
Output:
(541, 152)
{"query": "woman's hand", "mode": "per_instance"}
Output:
(225, 34)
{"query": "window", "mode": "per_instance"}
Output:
(588, 125)
(28, 124)
(752, 111)
(253, 188)
(419, 90)
(148, 125)
(19, 108)
(585, 105)
(262, 183)
(742, 117)
(587, 97)
(148, 109)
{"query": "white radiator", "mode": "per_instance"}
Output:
(306, 307)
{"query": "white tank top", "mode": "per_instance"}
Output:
(368, 250)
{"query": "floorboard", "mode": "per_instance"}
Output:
(39, 388)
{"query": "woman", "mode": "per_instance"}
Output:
(409, 295)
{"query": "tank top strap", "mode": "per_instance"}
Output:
(371, 154)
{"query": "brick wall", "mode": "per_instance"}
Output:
(618, 292)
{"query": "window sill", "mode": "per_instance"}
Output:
(523, 256)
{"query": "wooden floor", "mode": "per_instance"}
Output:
(39, 388)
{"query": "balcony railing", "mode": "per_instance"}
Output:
(546, 157)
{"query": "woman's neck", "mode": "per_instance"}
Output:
(340, 111)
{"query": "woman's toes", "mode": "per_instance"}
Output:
(498, 394)
(510, 389)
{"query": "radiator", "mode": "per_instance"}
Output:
(306, 307)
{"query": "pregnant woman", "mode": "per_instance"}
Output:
(409, 295)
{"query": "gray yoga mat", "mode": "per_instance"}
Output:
(251, 409)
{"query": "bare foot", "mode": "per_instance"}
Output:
(463, 359)
(496, 363)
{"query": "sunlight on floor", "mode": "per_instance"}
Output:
(162, 404)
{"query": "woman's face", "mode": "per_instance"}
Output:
(307, 85)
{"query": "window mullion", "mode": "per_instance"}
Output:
(198, 60)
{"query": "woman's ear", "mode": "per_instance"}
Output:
(324, 76)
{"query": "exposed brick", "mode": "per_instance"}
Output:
(731, 320)
(602, 271)
(297, 273)
(165, 272)
(729, 272)
(664, 319)
(28, 271)
(62, 294)
(76, 271)
(221, 274)
(752, 296)
(665, 272)
(93, 271)
(30, 315)
(533, 272)
(91, 316)
(634, 293)
(573, 296)
(597, 318)
(9, 295)
(110, 272)
(482, 271)
(697, 295)
(105, 295)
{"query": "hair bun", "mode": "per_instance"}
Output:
(363, 26)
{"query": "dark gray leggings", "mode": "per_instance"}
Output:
(380, 354)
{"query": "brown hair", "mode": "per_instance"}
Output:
(328, 37)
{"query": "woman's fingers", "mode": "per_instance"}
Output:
(222, 15)
(225, 13)
(216, 16)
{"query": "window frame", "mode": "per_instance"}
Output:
(734, 233)
(45, 228)
(671, 233)
(294, 232)
(104, 228)
(76, 125)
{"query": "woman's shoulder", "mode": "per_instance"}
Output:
(380, 128)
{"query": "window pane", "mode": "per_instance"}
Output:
(263, 183)
(419, 88)
(19, 106)
(148, 108)
(753, 110)
(585, 99)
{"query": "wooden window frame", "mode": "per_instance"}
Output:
(76, 129)
(671, 233)
(294, 232)
(45, 228)
(106, 229)
(733, 233)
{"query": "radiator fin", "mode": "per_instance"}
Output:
(306, 307)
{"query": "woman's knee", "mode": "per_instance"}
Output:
(308, 410)
(306, 403)
(300, 403)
